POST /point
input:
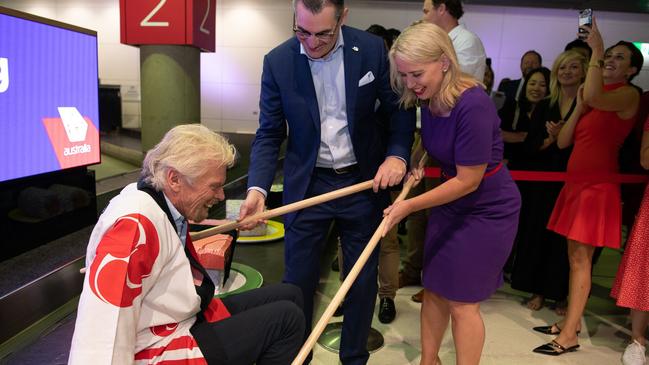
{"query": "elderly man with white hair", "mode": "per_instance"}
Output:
(146, 298)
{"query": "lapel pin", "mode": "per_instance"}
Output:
(355, 49)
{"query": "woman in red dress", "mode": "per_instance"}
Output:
(588, 209)
(630, 287)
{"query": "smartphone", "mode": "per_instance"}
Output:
(585, 18)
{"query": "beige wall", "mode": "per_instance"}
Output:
(248, 29)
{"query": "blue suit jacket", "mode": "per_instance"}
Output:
(289, 109)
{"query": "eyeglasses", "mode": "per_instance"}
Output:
(322, 36)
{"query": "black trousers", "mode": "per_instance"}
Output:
(266, 328)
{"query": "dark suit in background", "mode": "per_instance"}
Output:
(510, 89)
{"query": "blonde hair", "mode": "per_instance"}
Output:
(186, 148)
(425, 43)
(567, 56)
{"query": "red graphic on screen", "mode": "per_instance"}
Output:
(69, 153)
(164, 330)
(125, 256)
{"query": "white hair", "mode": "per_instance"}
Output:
(186, 148)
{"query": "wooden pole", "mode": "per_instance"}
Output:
(350, 278)
(284, 209)
(279, 211)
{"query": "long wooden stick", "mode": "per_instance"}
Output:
(351, 277)
(279, 211)
(319, 199)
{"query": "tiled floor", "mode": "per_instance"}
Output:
(509, 338)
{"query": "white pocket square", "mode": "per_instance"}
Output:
(369, 77)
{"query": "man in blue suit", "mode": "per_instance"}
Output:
(321, 90)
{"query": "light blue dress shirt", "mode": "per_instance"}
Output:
(179, 220)
(328, 73)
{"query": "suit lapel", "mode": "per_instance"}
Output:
(304, 85)
(352, 56)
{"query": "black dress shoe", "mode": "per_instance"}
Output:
(387, 311)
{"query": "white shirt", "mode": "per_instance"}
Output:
(328, 74)
(469, 50)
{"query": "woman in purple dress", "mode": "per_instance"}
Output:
(474, 212)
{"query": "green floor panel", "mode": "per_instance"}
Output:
(111, 166)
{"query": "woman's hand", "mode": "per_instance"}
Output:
(593, 37)
(580, 106)
(415, 173)
(394, 214)
(553, 128)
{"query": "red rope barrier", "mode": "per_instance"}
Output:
(520, 175)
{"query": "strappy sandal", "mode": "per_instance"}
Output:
(554, 348)
(548, 329)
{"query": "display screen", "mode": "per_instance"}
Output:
(49, 115)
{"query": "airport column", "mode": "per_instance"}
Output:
(171, 34)
(170, 88)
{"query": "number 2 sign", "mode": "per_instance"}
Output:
(187, 22)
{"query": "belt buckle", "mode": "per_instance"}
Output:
(343, 170)
(340, 171)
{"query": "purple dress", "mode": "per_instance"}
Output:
(469, 239)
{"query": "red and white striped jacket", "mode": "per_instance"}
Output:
(138, 301)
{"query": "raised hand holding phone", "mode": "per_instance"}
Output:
(585, 20)
(593, 37)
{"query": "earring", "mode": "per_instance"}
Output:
(444, 70)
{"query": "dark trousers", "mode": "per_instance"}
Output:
(356, 216)
(266, 328)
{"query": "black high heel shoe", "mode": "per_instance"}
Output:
(554, 349)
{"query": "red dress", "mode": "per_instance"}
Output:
(631, 288)
(591, 212)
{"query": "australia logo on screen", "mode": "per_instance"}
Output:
(75, 138)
